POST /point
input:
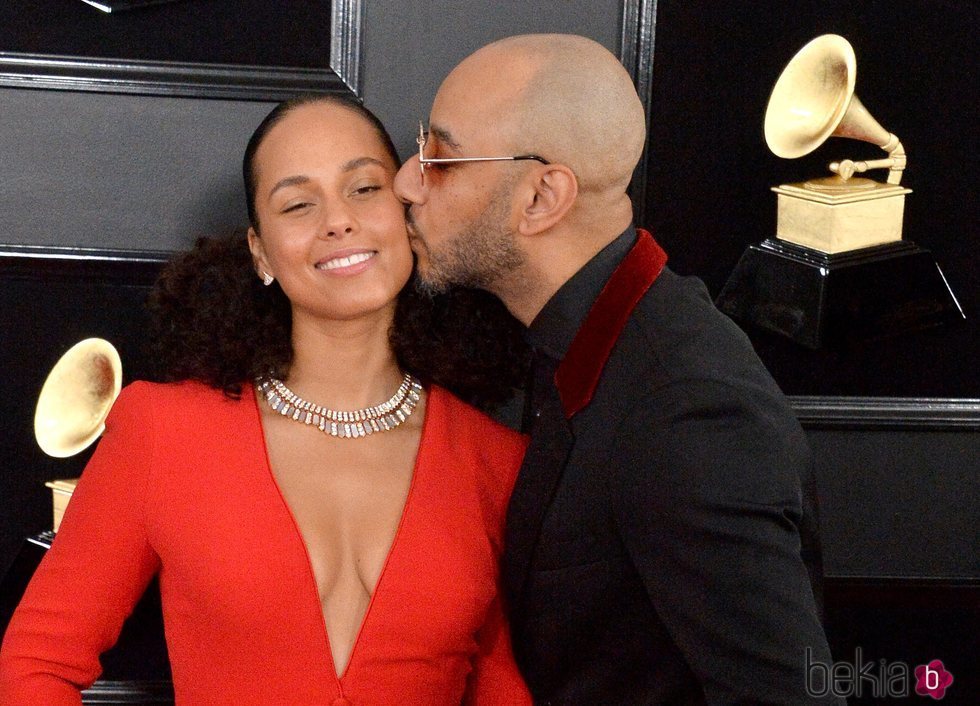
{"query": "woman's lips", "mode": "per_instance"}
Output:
(347, 262)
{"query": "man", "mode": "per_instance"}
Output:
(653, 547)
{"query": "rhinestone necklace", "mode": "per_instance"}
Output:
(347, 424)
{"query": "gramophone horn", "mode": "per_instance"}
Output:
(76, 397)
(814, 99)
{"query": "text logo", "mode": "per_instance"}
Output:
(880, 680)
(932, 679)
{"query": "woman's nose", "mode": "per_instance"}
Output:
(337, 221)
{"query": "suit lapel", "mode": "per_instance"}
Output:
(580, 369)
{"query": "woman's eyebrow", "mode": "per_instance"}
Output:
(346, 167)
(289, 181)
(360, 162)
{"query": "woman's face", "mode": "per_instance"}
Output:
(331, 230)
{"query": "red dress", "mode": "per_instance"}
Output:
(180, 486)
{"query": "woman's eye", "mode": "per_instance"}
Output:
(296, 207)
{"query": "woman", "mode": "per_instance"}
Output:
(307, 553)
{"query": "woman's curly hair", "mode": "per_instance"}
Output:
(213, 321)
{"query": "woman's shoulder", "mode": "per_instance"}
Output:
(478, 457)
(472, 442)
(186, 399)
(186, 411)
(472, 423)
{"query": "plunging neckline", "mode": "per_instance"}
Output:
(339, 677)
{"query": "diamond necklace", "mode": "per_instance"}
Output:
(343, 424)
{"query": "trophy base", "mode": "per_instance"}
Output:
(821, 300)
(834, 215)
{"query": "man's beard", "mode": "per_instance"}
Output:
(479, 256)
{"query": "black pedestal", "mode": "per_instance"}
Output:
(823, 300)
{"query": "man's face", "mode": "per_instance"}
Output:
(461, 217)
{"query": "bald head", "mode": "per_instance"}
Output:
(562, 96)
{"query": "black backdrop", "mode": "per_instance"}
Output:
(709, 170)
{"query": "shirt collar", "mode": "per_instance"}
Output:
(555, 326)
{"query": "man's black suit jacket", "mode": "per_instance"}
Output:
(653, 548)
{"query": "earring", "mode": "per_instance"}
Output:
(267, 279)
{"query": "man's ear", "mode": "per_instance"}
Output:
(555, 190)
(259, 259)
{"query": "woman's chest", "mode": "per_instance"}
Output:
(233, 553)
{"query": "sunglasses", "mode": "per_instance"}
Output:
(424, 161)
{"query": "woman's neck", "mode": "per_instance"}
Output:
(343, 364)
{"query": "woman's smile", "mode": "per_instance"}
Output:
(347, 262)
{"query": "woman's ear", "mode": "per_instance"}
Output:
(555, 191)
(259, 259)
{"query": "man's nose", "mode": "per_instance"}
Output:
(408, 182)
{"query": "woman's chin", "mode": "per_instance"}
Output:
(365, 306)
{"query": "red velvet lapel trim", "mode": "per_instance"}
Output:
(579, 371)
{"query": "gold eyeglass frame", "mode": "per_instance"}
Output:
(424, 161)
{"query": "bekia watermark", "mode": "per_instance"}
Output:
(882, 679)
(932, 679)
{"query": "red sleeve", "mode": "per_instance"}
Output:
(495, 679)
(96, 570)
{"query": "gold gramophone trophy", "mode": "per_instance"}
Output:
(838, 269)
(73, 404)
